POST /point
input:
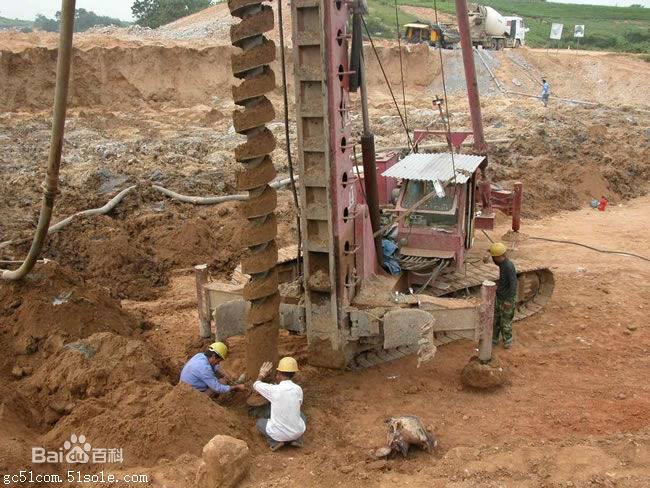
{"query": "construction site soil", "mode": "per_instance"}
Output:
(92, 342)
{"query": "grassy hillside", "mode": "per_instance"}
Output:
(606, 28)
(20, 24)
(381, 18)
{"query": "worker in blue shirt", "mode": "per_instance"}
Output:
(546, 91)
(202, 372)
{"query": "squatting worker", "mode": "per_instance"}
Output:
(546, 92)
(203, 372)
(287, 423)
(506, 295)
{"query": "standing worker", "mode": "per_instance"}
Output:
(546, 91)
(287, 423)
(202, 372)
(504, 310)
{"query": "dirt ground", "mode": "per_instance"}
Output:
(93, 342)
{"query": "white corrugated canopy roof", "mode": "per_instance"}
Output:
(436, 166)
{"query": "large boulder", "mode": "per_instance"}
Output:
(225, 463)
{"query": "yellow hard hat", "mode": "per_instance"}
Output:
(220, 348)
(498, 249)
(288, 365)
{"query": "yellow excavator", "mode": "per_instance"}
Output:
(435, 35)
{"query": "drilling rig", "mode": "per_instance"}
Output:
(352, 312)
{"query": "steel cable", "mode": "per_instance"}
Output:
(390, 89)
(401, 67)
(286, 133)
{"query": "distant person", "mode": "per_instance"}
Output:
(602, 203)
(203, 373)
(286, 423)
(504, 310)
(546, 91)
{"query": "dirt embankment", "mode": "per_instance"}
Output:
(139, 76)
(115, 77)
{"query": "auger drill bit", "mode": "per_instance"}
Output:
(255, 174)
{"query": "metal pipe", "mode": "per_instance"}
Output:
(568, 100)
(201, 276)
(56, 142)
(368, 155)
(470, 77)
(372, 192)
(488, 298)
(485, 188)
(438, 145)
(517, 200)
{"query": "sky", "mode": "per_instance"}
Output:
(27, 9)
(121, 9)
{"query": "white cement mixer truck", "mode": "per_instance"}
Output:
(492, 30)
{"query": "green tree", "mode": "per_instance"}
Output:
(43, 23)
(154, 13)
(83, 20)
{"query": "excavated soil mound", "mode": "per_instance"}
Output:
(149, 421)
(132, 253)
(89, 368)
(15, 435)
(564, 164)
(50, 307)
(105, 252)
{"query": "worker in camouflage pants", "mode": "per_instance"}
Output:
(504, 310)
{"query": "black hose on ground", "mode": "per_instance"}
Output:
(605, 251)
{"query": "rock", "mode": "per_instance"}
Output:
(465, 417)
(631, 327)
(17, 372)
(377, 465)
(412, 390)
(346, 469)
(225, 463)
(483, 376)
(621, 396)
(461, 453)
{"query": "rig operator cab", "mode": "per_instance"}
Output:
(435, 236)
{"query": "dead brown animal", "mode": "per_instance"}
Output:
(404, 432)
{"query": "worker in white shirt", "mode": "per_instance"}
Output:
(287, 423)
